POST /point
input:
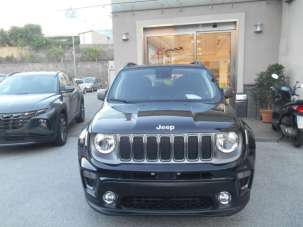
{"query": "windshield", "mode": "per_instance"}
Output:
(89, 80)
(164, 84)
(28, 84)
(79, 81)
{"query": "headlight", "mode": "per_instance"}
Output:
(42, 111)
(227, 142)
(104, 144)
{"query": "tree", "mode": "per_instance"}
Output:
(38, 42)
(30, 35)
(34, 37)
(4, 39)
(91, 54)
(15, 35)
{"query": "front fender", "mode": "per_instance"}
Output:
(60, 107)
(250, 143)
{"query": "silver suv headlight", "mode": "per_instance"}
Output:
(105, 144)
(228, 146)
(227, 142)
(104, 148)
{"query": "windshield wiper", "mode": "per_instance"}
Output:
(206, 101)
(174, 100)
(118, 100)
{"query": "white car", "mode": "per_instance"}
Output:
(81, 85)
(91, 84)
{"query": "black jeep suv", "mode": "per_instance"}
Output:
(166, 142)
(36, 107)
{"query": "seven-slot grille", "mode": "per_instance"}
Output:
(165, 148)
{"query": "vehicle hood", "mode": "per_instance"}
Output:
(82, 86)
(175, 117)
(25, 102)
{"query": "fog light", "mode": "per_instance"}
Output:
(109, 197)
(224, 198)
(43, 123)
(244, 174)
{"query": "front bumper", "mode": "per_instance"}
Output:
(167, 191)
(29, 132)
(89, 89)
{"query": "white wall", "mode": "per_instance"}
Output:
(291, 45)
(86, 38)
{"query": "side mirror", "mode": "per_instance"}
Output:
(275, 76)
(228, 93)
(68, 89)
(101, 93)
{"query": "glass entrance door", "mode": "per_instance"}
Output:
(214, 51)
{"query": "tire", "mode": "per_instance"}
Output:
(298, 140)
(274, 127)
(81, 116)
(61, 133)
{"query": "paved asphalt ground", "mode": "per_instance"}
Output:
(40, 186)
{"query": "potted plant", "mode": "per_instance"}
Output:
(263, 92)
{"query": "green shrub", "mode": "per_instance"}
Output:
(264, 81)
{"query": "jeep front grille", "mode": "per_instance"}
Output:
(165, 148)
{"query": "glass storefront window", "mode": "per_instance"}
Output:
(170, 49)
(214, 51)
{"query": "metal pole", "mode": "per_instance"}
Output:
(74, 57)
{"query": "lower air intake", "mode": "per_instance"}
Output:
(166, 203)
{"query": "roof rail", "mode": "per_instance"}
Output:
(130, 64)
(197, 63)
(10, 74)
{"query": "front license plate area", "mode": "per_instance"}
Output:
(300, 122)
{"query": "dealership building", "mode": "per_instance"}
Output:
(235, 39)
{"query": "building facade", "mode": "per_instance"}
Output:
(235, 39)
(291, 45)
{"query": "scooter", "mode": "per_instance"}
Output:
(288, 112)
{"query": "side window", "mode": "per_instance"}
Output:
(68, 80)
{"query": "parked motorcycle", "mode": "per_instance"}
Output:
(288, 112)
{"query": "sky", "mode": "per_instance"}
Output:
(53, 17)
